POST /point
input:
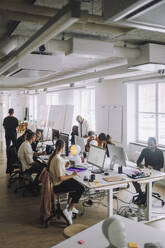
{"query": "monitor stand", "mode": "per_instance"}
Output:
(98, 171)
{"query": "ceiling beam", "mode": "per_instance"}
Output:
(57, 24)
(20, 16)
(27, 8)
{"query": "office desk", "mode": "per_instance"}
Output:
(109, 186)
(135, 231)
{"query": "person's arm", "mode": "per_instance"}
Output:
(4, 123)
(29, 156)
(65, 178)
(17, 123)
(161, 161)
(59, 172)
(140, 159)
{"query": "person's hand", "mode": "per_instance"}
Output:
(149, 167)
(67, 164)
(74, 173)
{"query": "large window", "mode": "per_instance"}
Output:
(52, 99)
(151, 112)
(33, 108)
(84, 105)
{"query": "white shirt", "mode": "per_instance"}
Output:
(57, 169)
(25, 155)
(85, 128)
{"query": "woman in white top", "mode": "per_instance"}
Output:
(63, 183)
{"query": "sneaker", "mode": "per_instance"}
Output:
(68, 215)
(75, 211)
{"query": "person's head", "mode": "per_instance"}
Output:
(38, 135)
(91, 133)
(151, 143)
(109, 138)
(11, 111)
(59, 146)
(26, 132)
(102, 140)
(79, 119)
(59, 149)
(31, 137)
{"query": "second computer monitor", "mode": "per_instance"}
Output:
(55, 134)
(117, 155)
(96, 157)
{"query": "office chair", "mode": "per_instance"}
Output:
(26, 183)
(13, 165)
(158, 197)
(57, 212)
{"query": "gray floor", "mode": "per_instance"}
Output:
(20, 217)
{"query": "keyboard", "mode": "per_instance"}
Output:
(138, 175)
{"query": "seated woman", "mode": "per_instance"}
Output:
(63, 183)
(91, 140)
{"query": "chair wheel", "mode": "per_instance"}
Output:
(163, 203)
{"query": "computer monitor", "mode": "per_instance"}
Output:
(117, 155)
(80, 142)
(55, 135)
(65, 138)
(96, 157)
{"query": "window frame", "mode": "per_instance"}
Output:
(156, 113)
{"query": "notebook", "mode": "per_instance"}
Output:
(113, 179)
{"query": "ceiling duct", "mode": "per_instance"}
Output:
(34, 65)
(145, 14)
(152, 59)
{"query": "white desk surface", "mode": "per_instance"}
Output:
(155, 176)
(94, 238)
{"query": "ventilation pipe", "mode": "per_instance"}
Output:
(57, 24)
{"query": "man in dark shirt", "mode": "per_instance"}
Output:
(22, 138)
(10, 123)
(153, 159)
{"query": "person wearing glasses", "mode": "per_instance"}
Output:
(153, 159)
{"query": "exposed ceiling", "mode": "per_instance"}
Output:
(26, 25)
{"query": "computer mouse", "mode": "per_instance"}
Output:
(106, 173)
(86, 179)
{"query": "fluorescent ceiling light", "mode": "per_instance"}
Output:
(148, 67)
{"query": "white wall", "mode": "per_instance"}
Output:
(116, 92)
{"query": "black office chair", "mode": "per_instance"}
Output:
(158, 197)
(26, 183)
(56, 212)
(13, 165)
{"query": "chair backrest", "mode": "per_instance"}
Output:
(12, 155)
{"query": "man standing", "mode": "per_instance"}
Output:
(83, 127)
(153, 159)
(10, 123)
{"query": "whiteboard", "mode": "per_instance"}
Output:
(42, 115)
(115, 117)
(68, 118)
(60, 117)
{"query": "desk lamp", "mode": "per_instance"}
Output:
(75, 154)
